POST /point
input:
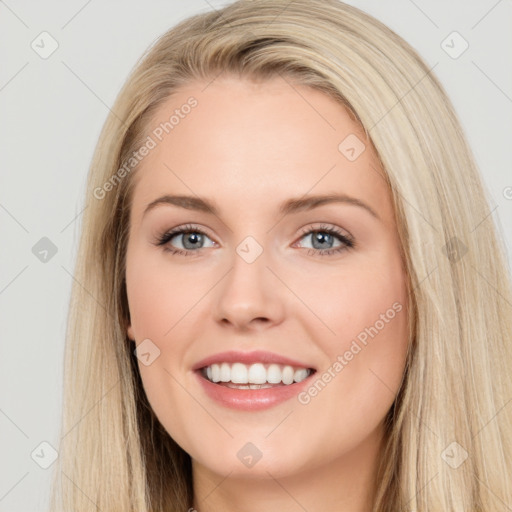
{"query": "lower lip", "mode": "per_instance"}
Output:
(251, 399)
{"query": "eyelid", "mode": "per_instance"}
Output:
(180, 229)
(346, 239)
(303, 231)
(327, 227)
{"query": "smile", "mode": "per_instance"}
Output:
(251, 381)
(254, 376)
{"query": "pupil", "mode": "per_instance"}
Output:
(194, 237)
(322, 237)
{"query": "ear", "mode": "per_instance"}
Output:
(129, 331)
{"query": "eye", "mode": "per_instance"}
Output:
(323, 239)
(192, 239)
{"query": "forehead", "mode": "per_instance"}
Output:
(251, 144)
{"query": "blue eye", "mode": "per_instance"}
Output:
(191, 236)
(326, 235)
(192, 239)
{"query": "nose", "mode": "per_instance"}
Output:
(249, 296)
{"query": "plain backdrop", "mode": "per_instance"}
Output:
(52, 110)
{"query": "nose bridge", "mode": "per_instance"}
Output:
(247, 279)
(247, 291)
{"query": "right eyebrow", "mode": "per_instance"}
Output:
(187, 202)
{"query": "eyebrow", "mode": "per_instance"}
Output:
(288, 207)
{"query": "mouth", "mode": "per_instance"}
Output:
(254, 376)
(252, 381)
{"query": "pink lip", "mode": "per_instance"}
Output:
(256, 356)
(250, 399)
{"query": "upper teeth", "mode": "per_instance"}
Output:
(256, 373)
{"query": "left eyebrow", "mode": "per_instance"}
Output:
(288, 207)
(310, 202)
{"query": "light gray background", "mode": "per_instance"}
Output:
(51, 113)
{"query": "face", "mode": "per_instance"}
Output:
(254, 275)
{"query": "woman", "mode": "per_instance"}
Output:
(220, 356)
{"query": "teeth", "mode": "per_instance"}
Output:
(274, 374)
(239, 374)
(288, 375)
(256, 375)
(300, 374)
(215, 373)
(225, 372)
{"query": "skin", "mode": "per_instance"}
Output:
(248, 147)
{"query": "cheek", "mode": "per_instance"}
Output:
(158, 312)
(157, 296)
(367, 315)
(365, 358)
(350, 303)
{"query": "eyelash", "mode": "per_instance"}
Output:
(348, 243)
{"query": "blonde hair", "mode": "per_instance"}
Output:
(115, 455)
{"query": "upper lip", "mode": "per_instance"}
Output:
(256, 356)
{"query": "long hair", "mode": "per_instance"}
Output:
(449, 439)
